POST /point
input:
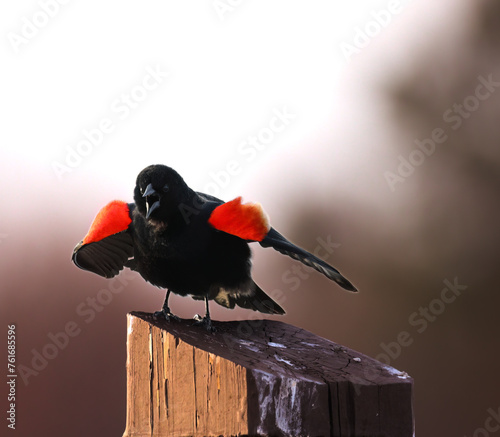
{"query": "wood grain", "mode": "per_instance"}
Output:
(258, 378)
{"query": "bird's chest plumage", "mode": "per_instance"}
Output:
(190, 259)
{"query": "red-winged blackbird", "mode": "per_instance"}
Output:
(189, 243)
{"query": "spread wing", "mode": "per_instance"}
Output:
(247, 221)
(275, 240)
(105, 257)
(108, 246)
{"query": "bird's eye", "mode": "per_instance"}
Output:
(165, 188)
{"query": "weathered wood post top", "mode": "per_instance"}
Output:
(259, 378)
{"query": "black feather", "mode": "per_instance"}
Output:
(275, 240)
(107, 256)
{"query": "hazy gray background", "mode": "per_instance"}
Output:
(354, 111)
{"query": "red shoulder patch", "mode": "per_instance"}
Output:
(113, 218)
(247, 221)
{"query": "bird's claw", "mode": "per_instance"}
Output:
(205, 322)
(166, 315)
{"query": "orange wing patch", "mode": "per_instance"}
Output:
(113, 218)
(247, 221)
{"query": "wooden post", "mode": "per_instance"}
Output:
(257, 378)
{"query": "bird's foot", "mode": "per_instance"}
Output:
(166, 315)
(205, 322)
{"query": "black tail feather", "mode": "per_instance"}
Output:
(256, 300)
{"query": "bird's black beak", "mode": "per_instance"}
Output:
(152, 200)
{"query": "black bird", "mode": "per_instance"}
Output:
(189, 243)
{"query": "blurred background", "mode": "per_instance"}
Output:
(371, 126)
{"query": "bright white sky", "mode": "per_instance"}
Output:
(229, 70)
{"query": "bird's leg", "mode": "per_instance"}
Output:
(165, 310)
(206, 321)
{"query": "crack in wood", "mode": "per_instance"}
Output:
(151, 381)
(195, 394)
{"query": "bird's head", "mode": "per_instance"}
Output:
(159, 191)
